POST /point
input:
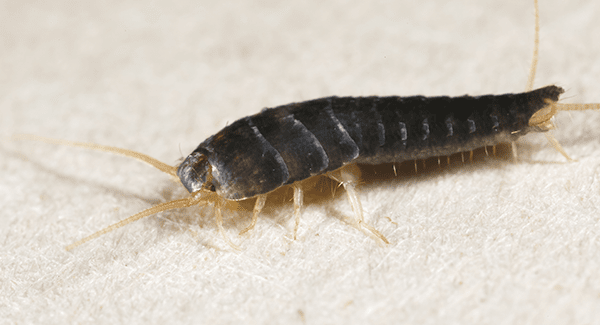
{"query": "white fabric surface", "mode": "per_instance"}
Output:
(498, 242)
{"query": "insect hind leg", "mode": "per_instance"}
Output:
(348, 177)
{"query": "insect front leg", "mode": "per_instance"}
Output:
(258, 206)
(219, 219)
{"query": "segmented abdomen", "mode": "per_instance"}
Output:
(289, 143)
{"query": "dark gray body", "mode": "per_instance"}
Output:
(282, 145)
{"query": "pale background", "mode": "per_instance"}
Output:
(491, 243)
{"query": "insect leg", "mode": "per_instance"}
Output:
(258, 206)
(298, 202)
(219, 220)
(348, 177)
(513, 146)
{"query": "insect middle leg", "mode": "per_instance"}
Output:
(260, 203)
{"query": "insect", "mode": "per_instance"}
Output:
(290, 144)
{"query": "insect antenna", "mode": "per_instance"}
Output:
(171, 170)
(175, 204)
(168, 169)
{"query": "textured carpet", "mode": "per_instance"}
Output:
(488, 242)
